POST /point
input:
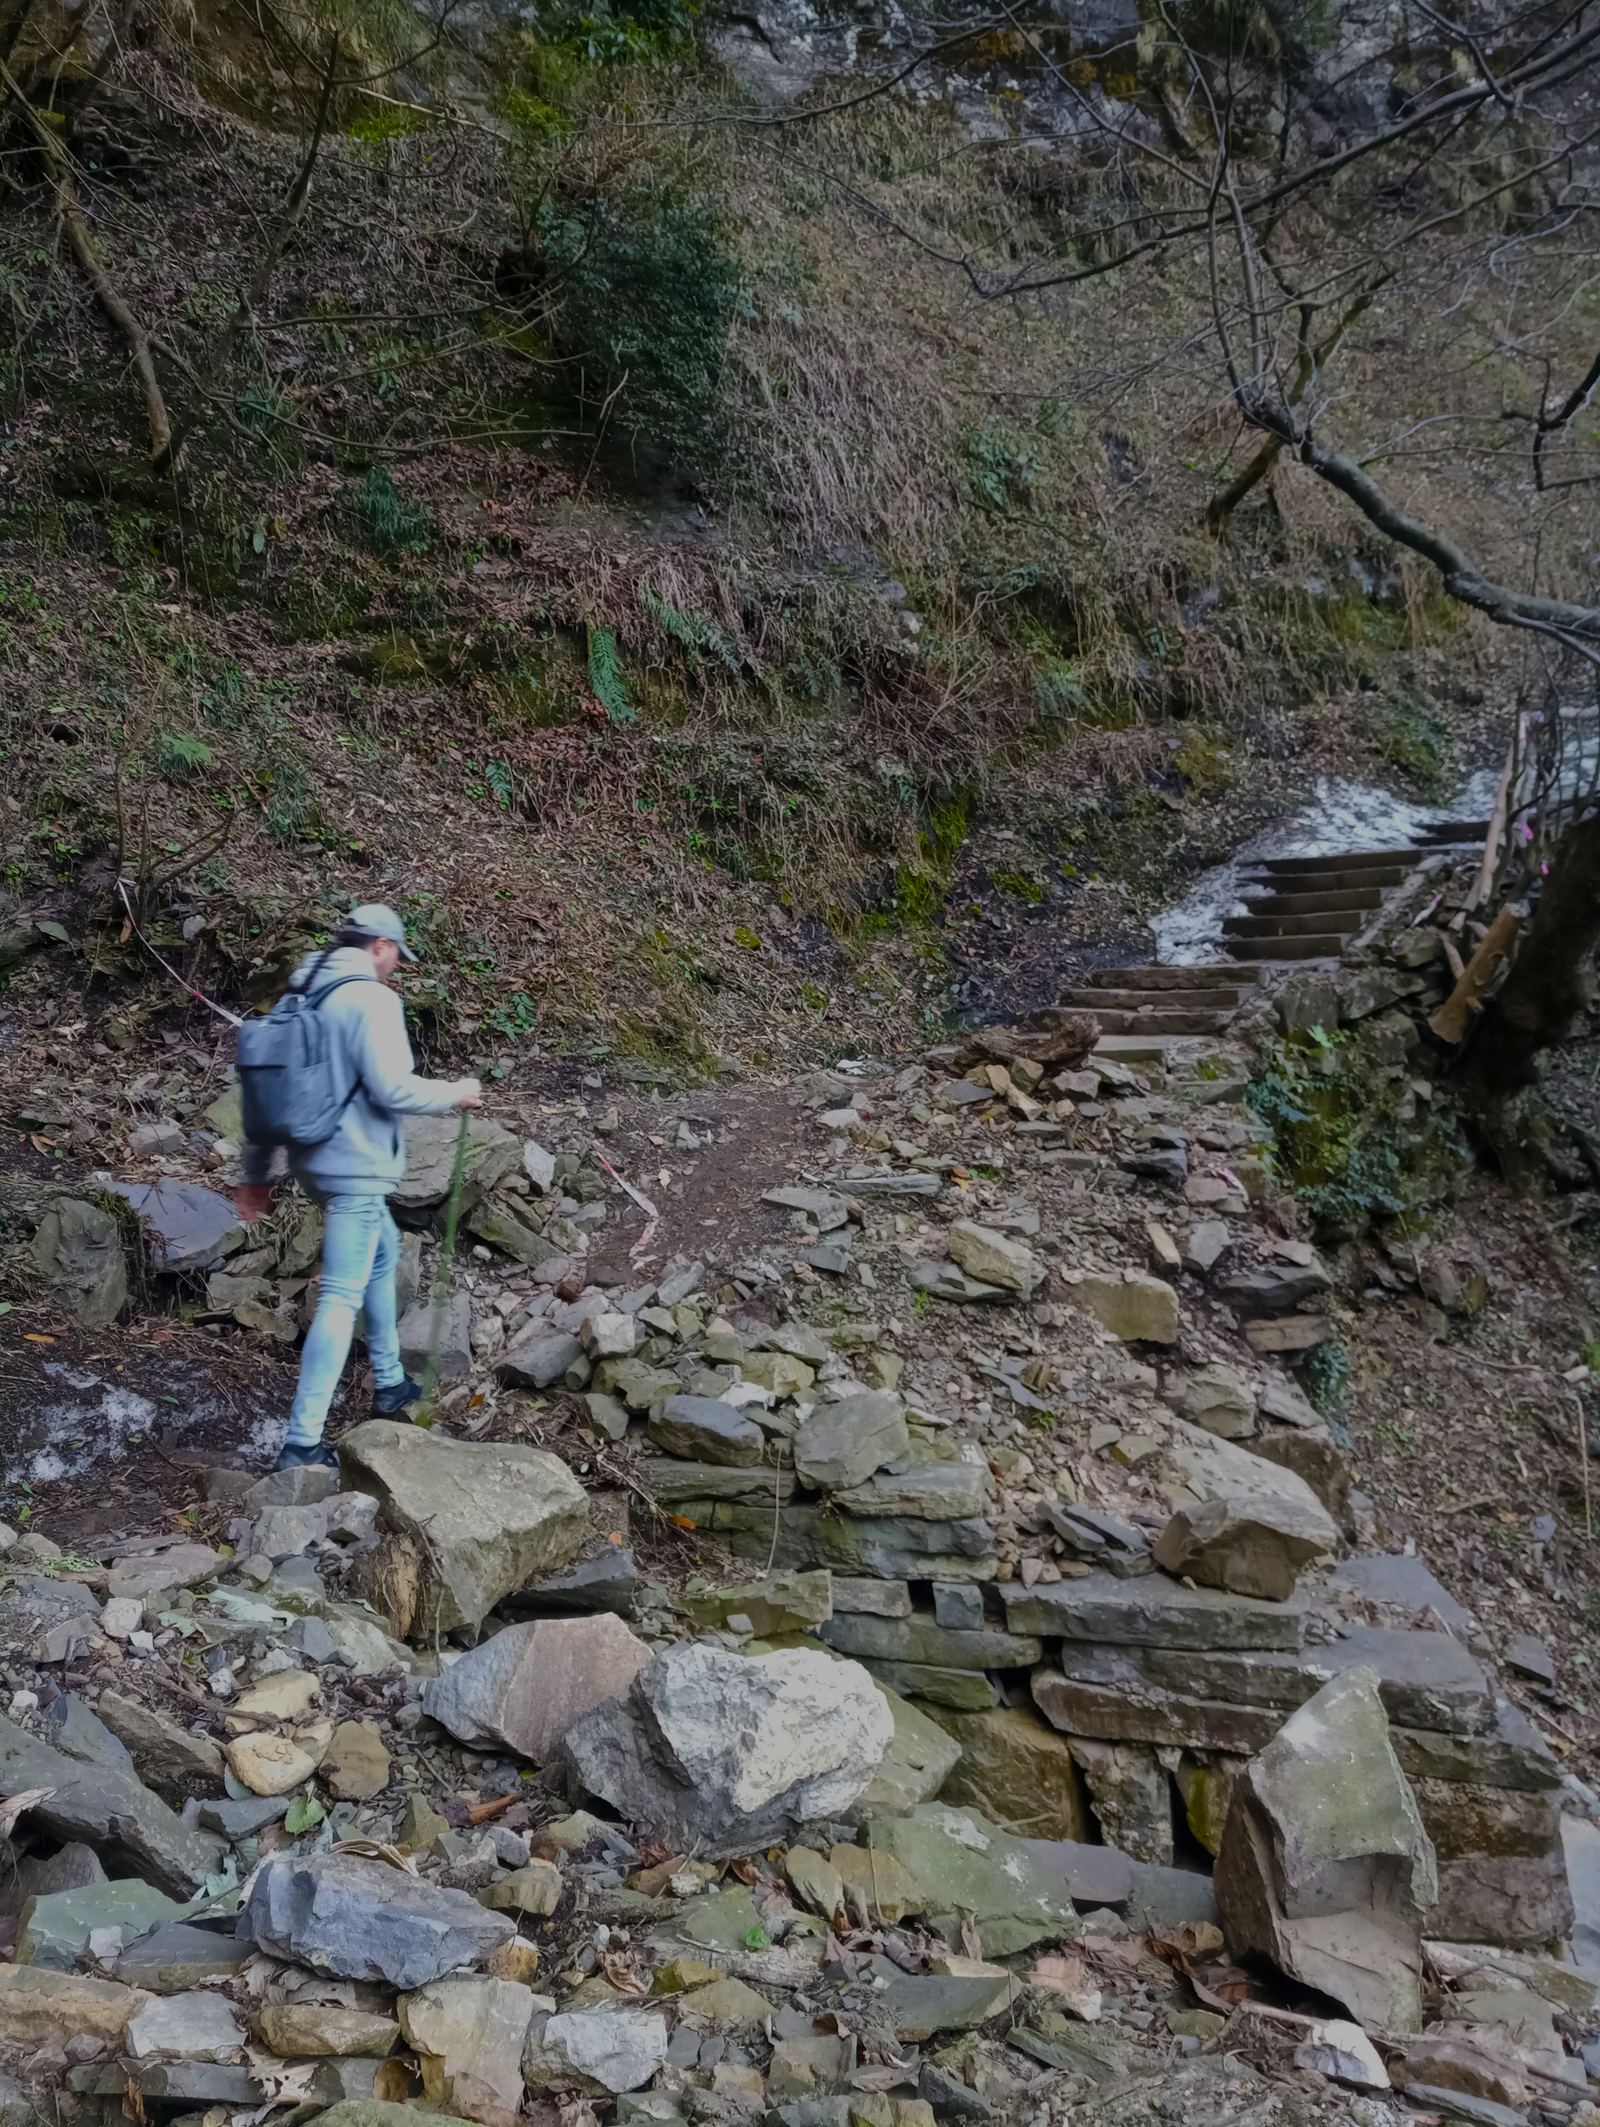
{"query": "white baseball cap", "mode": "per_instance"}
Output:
(380, 921)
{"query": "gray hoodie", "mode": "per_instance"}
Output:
(369, 1048)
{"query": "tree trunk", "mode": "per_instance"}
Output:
(1553, 980)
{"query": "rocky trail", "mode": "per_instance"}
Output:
(928, 1594)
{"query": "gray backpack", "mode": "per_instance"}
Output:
(287, 1087)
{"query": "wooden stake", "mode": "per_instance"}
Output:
(1583, 1450)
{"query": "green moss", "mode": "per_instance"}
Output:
(1020, 885)
(1203, 764)
(1411, 738)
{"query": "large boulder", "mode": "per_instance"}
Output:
(1325, 1866)
(487, 1518)
(526, 1687)
(724, 1754)
(355, 1919)
(78, 1252)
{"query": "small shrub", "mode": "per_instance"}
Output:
(386, 521)
(1002, 467)
(289, 812)
(648, 293)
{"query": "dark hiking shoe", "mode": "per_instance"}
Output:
(300, 1458)
(390, 1400)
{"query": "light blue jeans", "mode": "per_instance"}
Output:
(360, 1253)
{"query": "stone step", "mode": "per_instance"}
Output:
(1331, 924)
(1303, 947)
(1161, 978)
(1131, 1048)
(1215, 999)
(1344, 900)
(1370, 881)
(1203, 1022)
(1345, 860)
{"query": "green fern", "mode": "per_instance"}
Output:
(605, 677)
(692, 630)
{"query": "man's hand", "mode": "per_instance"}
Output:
(252, 1201)
(472, 1096)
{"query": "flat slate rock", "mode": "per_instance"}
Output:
(1530, 1657)
(1151, 1611)
(923, 2006)
(1167, 1897)
(355, 1919)
(1464, 2105)
(191, 1228)
(1093, 1875)
(132, 1830)
(922, 1639)
(242, 1820)
(171, 1960)
(1401, 1584)
(1510, 1754)
(606, 1583)
(703, 1429)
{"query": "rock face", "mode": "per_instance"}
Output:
(78, 1251)
(724, 1754)
(488, 1518)
(1325, 1866)
(1020, 1774)
(528, 1685)
(1502, 1870)
(359, 1920)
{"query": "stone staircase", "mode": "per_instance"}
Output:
(1300, 909)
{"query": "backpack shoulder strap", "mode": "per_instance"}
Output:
(315, 998)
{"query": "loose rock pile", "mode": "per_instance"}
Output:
(410, 1788)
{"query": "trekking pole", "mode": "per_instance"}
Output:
(441, 1278)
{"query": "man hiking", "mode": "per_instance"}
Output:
(352, 1172)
